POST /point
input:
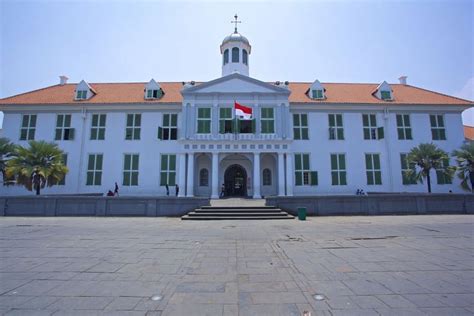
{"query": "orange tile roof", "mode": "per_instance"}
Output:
(114, 93)
(469, 132)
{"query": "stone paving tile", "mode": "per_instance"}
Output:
(407, 265)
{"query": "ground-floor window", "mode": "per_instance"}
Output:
(338, 169)
(267, 177)
(373, 170)
(168, 170)
(130, 169)
(204, 178)
(94, 169)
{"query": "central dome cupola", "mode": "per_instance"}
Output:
(235, 50)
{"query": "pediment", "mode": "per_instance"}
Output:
(235, 83)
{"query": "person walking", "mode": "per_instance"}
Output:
(177, 190)
(222, 191)
(116, 193)
(167, 189)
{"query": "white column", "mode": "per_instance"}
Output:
(256, 176)
(215, 176)
(289, 174)
(281, 174)
(190, 189)
(182, 174)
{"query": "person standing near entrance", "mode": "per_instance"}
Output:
(222, 191)
(177, 189)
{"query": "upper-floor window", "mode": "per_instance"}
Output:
(336, 128)
(244, 57)
(385, 95)
(245, 126)
(373, 170)
(268, 121)
(403, 126)
(153, 93)
(317, 94)
(28, 127)
(81, 94)
(371, 131)
(235, 55)
(63, 127)
(225, 121)
(438, 131)
(303, 173)
(300, 126)
(133, 129)
(267, 177)
(204, 121)
(98, 126)
(226, 56)
(169, 128)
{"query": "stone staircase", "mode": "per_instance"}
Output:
(237, 209)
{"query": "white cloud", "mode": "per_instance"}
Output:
(467, 92)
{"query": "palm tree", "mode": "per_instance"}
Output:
(425, 157)
(465, 160)
(38, 166)
(6, 151)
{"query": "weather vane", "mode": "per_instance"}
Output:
(235, 22)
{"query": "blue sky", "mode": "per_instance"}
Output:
(334, 41)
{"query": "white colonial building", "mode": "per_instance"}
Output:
(304, 139)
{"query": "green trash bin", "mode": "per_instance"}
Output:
(302, 213)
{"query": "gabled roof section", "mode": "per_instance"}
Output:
(152, 85)
(235, 83)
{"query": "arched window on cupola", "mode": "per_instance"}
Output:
(244, 57)
(226, 56)
(204, 177)
(235, 55)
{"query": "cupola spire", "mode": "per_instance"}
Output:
(235, 22)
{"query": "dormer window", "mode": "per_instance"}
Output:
(154, 94)
(81, 95)
(317, 94)
(385, 95)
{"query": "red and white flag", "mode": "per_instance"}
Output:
(244, 112)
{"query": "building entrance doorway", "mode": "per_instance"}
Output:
(235, 181)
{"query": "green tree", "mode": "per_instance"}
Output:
(425, 157)
(7, 149)
(465, 160)
(39, 165)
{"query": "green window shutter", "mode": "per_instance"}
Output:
(129, 119)
(166, 120)
(340, 133)
(433, 121)
(376, 161)
(380, 133)
(298, 165)
(102, 119)
(138, 120)
(172, 178)
(172, 162)
(90, 178)
(304, 120)
(163, 179)
(296, 133)
(136, 133)
(365, 119)
(93, 133)
(67, 120)
(174, 120)
(160, 133)
(23, 134)
(221, 126)
(98, 178)
(400, 133)
(58, 134)
(440, 121)
(343, 178)
(342, 161)
(134, 180)
(408, 133)
(72, 133)
(370, 179)
(304, 133)
(101, 134)
(314, 177)
(334, 178)
(339, 120)
(366, 133)
(378, 177)
(298, 178)
(126, 178)
(305, 161)
(127, 162)
(368, 162)
(399, 120)
(332, 120)
(134, 162)
(95, 119)
(442, 134)
(24, 121)
(403, 161)
(333, 162)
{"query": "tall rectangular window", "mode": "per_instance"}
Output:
(338, 169)
(133, 129)
(98, 126)
(63, 180)
(302, 169)
(130, 169)
(441, 176)
(407, 176)
(28, 127)
(373, 170)
(63, 127)
(438, 131)
(300, 126)
(204, 121)
(94, 169)
(168, 170)
(336, 128)
(403, 126)
(169, 128)
(225, 121)
(267, 121)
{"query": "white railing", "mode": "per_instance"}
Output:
(235, 137)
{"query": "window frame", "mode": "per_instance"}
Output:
(97, 169)
(267, 122)
(81, 95)
(438, 131)
(167, 175)
(29, 130)
(97, 131)
(169, 127)
(385, 95)
(317, 94)
(266, 177)
(370, 129)
(226, 120)
(134, 128)
(62, 128)
(338, 172)
(130, 174)
(404, 131)
(237, 59)
(336, 130)
(203, 123)
(204, 177)
(303, 172)
(405, 168)
(300, 128)
(373, 174)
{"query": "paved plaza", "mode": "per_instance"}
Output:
(397, 265)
